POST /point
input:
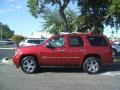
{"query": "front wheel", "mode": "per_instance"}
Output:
(92, 65)
(29, 64)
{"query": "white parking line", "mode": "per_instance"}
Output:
(7, 48)
(6, 60)
(108, 74)
(111, 73)
(117, 73)
(0, 61)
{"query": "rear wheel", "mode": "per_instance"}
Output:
(29, 64)
(92, 65)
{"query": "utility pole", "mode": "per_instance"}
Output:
(1, 30)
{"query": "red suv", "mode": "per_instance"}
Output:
(86, 50)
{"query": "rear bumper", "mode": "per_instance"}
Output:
(16, 60)
(108, 61)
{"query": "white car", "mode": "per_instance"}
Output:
(30, 42)
(6, 42)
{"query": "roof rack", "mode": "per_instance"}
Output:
(77, 33)
(74, 33)
(64, 33)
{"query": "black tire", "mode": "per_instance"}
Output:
(114, 52)
(29, 64)
(92, 65)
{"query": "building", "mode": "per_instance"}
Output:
(40, 34)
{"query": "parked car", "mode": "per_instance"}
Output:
(86, 50)
(116, 49)
(31, 42)
(116, 42)
(6, 42)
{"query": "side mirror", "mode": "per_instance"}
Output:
(48, 45)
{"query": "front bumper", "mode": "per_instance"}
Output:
(16, 60)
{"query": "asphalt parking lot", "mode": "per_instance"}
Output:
(59, 79)
(7, 51)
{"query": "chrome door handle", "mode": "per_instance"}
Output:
(82, 50)
(61, 50)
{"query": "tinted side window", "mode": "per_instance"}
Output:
(37, 41)
(57, 42)
(75, 41)
(34, 41)
(97, 41)
(30, 41)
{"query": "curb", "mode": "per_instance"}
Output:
(6, 60)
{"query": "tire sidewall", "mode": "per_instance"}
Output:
(90, 59)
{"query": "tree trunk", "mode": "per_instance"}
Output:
(62, 14)
(63, 17)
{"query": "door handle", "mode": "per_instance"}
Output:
(82, 50)
(61, 50)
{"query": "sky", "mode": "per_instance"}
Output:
(16, 15)
(108, 32)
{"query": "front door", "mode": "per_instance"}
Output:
(54, 54)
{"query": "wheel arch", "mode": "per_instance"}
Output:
(92, 55)
(36, 58)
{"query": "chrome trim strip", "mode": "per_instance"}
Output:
(44, 57)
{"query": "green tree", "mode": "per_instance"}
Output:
(93, 13)
(96, 13)
(17, 38)
(53, 22)
(6, 32)
(38, 7)
(114, 13)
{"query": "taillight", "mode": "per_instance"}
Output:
(110, 50)
(111, 47)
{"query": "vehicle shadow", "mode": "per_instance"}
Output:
(115, 66)
(61, 69)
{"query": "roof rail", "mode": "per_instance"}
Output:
(64, 33)
(74, 33)
(77, 33)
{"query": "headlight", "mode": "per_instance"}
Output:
(17, 52)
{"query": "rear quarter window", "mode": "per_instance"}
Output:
(97, 41)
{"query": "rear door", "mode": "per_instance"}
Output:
(75, 50)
